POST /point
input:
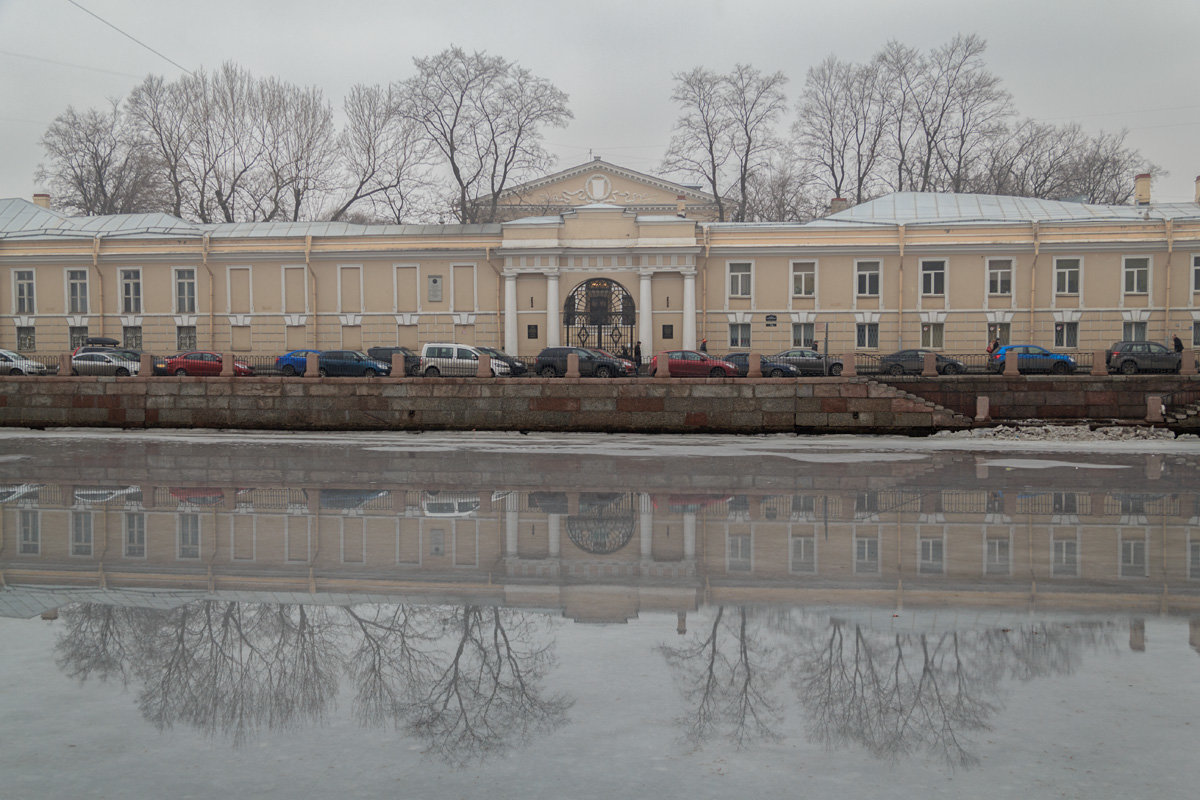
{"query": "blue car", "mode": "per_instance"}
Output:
(293, 363)
(333, 363)
(1031, 358)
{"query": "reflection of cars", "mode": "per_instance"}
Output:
(412, 361)
(694, 364)
(1031, 358)
(16, 364)
(688, 503)
(202, 362)
(347, 499)
(809, 361)
(913, 362)
(199, 496)
(516, 366)
(770, 369)
(103, 363)
(552, 363)
(350, 363)
(448, 358)
(1130, 358)
(294, 363)
(108, 494)
(11, 494)
(449, 504)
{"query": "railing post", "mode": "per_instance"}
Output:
(1010, 363)
(754, 365)
(146, 365)
(572, 365)
(484, 368)
(227, 365)
(1154, 408)
(398, 370)
(312, 365)
(1099, 366)
(64, 364)
(849, 365)
(1187, 366)
(929, 367)
(662, 367)
(983, 409)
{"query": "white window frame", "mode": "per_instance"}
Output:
(1061, 337)
(1196, 333)
(1001, 331)
(800, 327)
(1144, 544)
(182, 530)
(809, 283)
(1077, 269)
(283, 273)
(131, 278)
(126, 543)
(69, 283)
(862, 271)
(24, 306)
(809, 540)
(1133, 335)
(29, 534)
(77, 517)
(1196, 274)
(739, 341)
(745, 280)
(249, 288)
(923, 563)
(862, 335)
(933, 335)
(741, 559)
(1054, 562)
(362, 298)
(178, 282)
(1002, 273)
(933, 280)
(987, 554)
(1127, 272)
(855, 540)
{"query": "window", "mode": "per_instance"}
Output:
(1133, 558)
(1196, 334)
(866, 555)
(185, 337)
(1133, 332)
(1137, 275)
(739, 334)
(531, 331)
(803, 334)
(135, 535)
(1066, 276)
(1066, 334)
(78, 336)
(668, 332)
(931, 556)
(81, 533)
(1194, 559)
(185, 291)
(189, 536)
(77, 291)
(868, 278)
(804, 554)
(1196, 273)
(30, 537)
(1064, 557)
(131, 291)
(804, 278)
(867, 335)
(740, 552)
(131, 337)
(996, 559)
(933, 277)
(999, 330)
(437, 542)
(933, 334)
(1065, 503)
(739, 280)
(23, 291)
(1000, 276)
(26, 339)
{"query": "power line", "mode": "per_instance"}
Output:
(131, 37)
(67, 64)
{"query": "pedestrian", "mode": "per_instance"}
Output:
(993, 345)
(637, 354)
(704, 345)
(1178, 344)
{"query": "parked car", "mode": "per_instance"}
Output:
(770, 369)
(448, 358)
(127, 353)
(294, 362)
(203, 362)
(350, 363)
(1130, 358)
(913, 363)
(412, 360)
(105, 363)
(630, 365)
(694, 364)
(1031, 358)
(809, 361)
(516, 367)
(552, 363)
(16, 364)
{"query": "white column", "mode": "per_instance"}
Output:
(554, 521)
(689, 534)
(510, 313)
(645, 314)
(689, 309)
(646, 520)
(553, 311)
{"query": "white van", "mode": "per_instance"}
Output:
(457, 360)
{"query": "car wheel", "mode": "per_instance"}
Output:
(75, 372)
(288, 370)
(121, 372)
(548, 372)
(952, 369)
(894, 369)
(368, 373)
(322, 372)
(835, 369)
(716, 372)
(15, 371)
(181, 372)
(1062, 368)
(603, 372)
(777, 373)
(433, 372)
(1129, 368)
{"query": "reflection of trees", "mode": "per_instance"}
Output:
(898, 694)
(466, 680)
(726, 674)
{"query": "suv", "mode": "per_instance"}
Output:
(1031, 358)
(552, 363)
(448, 358)
(1130, 358)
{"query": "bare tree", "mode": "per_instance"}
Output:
(98, 163)
(1104, 169)
(782, 192)
(485, 116)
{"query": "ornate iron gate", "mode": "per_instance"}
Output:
(600, 313)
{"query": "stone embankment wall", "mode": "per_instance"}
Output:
(622, 405)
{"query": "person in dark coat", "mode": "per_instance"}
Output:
(1178, 344)
(704, 345)
(637, 354)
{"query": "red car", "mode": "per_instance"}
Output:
(694, 364)
(201, 362)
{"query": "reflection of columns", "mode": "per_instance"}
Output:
(553, 320)
(689, 309)
(1194, 633)
(510, 313)
(510, 532)
(689, 535)
(555, 525)
(646, 520)
(1137, 635)
(645, 312)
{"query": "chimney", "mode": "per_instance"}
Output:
(1141, 189)
(41, 199)
(681, 205)
(838, 204)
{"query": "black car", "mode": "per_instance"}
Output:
(552, 363)
(412, 361)
(809, 361)
(770, 369)
(515, 365)
(913, 363)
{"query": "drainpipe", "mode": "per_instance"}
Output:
(312, 285)
(900, 306)
(205, 243)
(99, 276)
(1037, 249)
(1169, 225)
(704, 284)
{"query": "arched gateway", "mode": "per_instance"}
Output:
(600, 313)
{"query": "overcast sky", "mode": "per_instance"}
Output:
(1107, 64)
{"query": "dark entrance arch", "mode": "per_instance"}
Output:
(600, 313)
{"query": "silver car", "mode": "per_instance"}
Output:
(16, 364)
(103, 364)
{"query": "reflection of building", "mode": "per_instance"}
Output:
(605, 256)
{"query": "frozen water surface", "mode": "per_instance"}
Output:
(254, 615)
